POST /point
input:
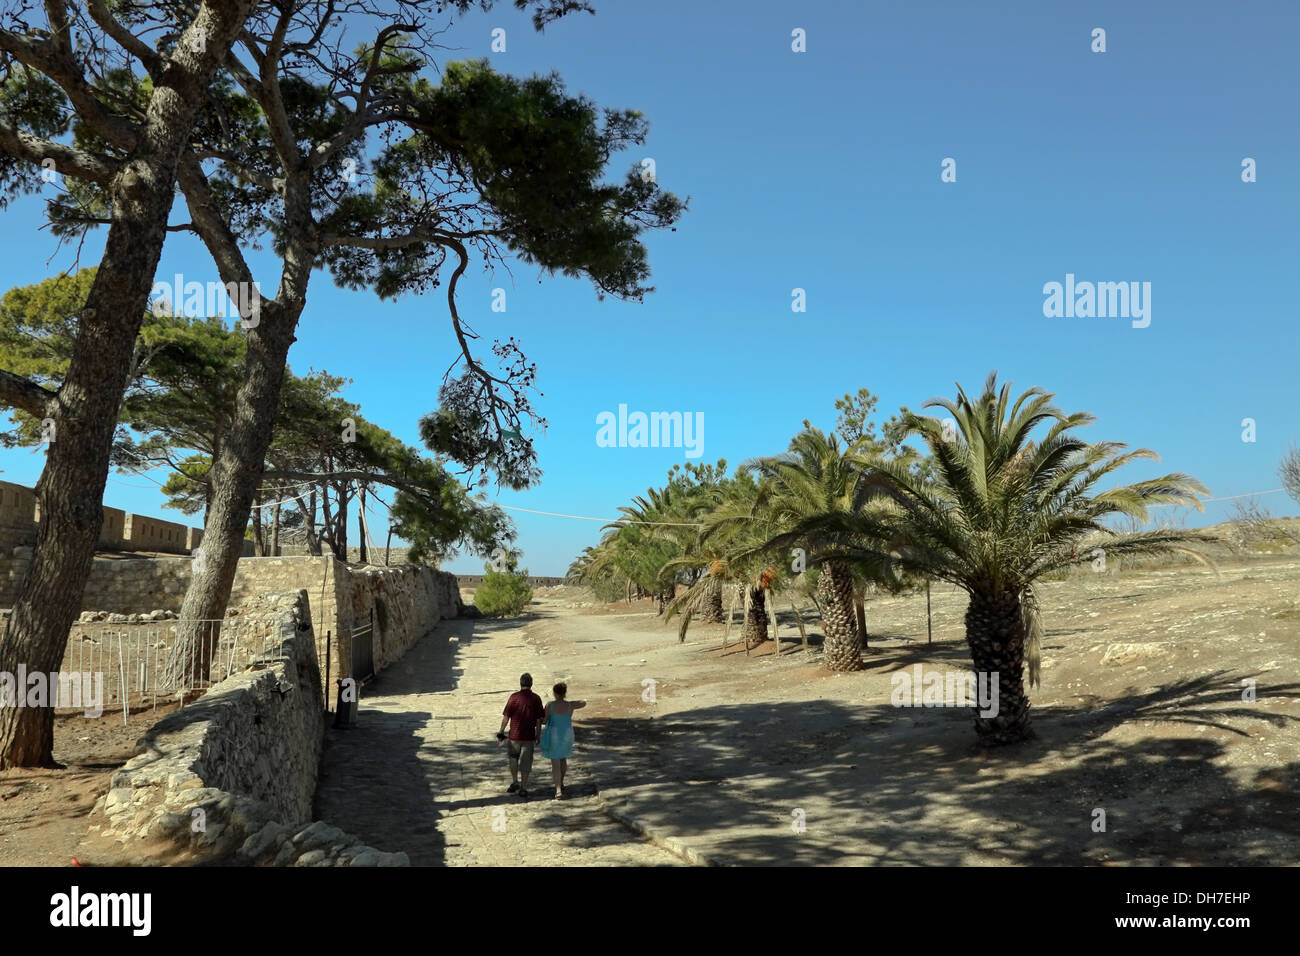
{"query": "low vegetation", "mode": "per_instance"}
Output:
(504, 592)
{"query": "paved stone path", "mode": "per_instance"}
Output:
(421, 772)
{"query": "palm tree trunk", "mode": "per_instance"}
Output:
(711, 608)
(843, 650)
(731, 614)
(995, 631)
(756, 626)
(860, 611)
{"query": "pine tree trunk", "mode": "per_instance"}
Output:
(327, 518)
(996, 635)
(259, 543)
(756, 625)
(309, 521)
(236, 475)
(85, 414)
(362, 553)
(843, 649)
(275, 531)
(341, 525)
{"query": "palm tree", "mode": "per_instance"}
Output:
(729, 544)
(645, 528)
(1003, 511)
(704, 554)
(710, 610)
(816, 497)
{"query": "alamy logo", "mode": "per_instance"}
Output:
(946, 689)
(209, 299)
(74, 909)
(55, 689)
(1102, 300)
(655, 430)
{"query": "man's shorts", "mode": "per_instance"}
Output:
(522, 750)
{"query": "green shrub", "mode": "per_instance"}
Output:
(503, 593)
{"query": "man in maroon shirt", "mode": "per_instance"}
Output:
(524, 713)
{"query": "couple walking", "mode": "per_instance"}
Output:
(526, 716)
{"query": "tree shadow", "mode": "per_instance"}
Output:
(875, 784)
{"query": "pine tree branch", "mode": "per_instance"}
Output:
(19, 392)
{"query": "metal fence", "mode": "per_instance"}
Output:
(133, 657)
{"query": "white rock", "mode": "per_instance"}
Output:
(1127, 653)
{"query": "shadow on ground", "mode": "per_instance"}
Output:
(878, 784)
(373, 782)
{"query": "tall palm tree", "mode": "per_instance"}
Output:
(816, 497)
(731, 537)
(1003, 511)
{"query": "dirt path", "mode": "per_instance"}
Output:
(422, 772)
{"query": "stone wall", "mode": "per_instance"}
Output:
(534, 580)
(17, 514)
(128, 585)
(233, 774)
(20, 513)
(396, 556)
(153, 534)
(112, 532)
(408, 601)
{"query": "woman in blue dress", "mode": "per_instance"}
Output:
(557, 735)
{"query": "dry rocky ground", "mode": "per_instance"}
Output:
(43, 811)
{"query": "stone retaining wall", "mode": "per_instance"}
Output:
(17, 510)
(408, 602)
(232, 776)
(135, 585)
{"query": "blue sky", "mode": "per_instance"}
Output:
(821, 171)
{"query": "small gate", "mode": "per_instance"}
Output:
(362, 650)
